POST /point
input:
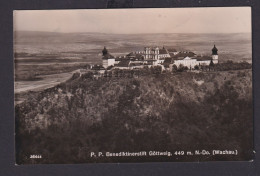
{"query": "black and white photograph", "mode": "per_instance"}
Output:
(133, 85)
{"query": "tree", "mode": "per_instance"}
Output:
(196, 67)
(181, 68)
(110, 67)
(156, 70)
(87, 75)
(115, 72)
(211, 64)
(105, 73)
(75, 76)
(167, 62)
(174, 68)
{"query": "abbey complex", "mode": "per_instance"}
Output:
(158, 57)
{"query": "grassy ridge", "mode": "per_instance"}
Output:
(184, 111)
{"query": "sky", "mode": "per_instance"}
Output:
(136, 21)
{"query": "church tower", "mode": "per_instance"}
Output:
(107, 59)
(215, 55)
(104, 51)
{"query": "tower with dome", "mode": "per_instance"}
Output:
(215, 54)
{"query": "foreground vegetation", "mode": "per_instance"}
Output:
(181, 111)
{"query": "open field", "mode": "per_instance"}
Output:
(45, 82)
(89, 45)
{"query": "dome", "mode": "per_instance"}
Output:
(104, 51)
(214, 50)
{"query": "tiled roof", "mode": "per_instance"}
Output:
(168, 60)
(136, 56)
(108, 56)
(131, 54)
(163, 51)
(172, 50)
(139, 56)
(184, 54)
(123, 63)
(171, 55)
(203, 58)
(178, 58)
(214, 48)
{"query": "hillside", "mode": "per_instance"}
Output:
(207, 110)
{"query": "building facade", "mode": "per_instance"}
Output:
(107, 59)
(190, 60)
(215, 54)
(156, 56)
(155, 53)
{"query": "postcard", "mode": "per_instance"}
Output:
(133, 85)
